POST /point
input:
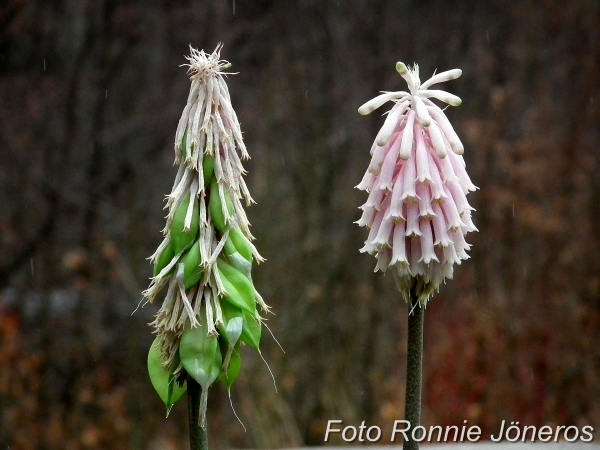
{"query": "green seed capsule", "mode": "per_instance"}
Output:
(162, 379)
(183, 239)
(241, 242)
(208, 167)
(240, 263)
(230, 312)
(233, 319)
(251, 331)
(214, 206)
(216, 209)
(229, 247)
(200, 356)
(240, 291)
(192, 271)
(233, 323)
(231, 372)
(229, 204)
(164, 258)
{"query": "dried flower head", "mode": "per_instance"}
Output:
(206, 257)
(417, 210)
(203, 64)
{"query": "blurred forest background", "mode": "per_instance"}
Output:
(91, 93)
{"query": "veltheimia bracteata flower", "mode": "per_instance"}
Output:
(417, 209)
(205, 260)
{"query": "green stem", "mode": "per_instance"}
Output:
(414, 368)
(198, 434)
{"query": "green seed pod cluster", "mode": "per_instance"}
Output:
(211, 307)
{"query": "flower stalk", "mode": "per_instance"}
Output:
(414, 368)
(417, 211)
(211, 307)
(198, 434)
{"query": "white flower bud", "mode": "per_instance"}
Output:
(376, 102)
(441, 77)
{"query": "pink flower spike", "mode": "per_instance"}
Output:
(423, 175)
(449, 178)
(457, 162)
(407, 137)
(390, 124)
(409, 180)
(437, 187)
(366, 219)
(438, 115)
(442, 77)
(377, 159)
(468, 221)
(443, 96)
(383, 260)
(376, 102)
(427, 252)
(448, 271)
(437, 141)
(424, 194)
(375, 196)
(452, 217)
(440, 229)
(399, 244)
(416, 266)
(417, 206)
(450, 255)
(460, 199)
(369, 246)
(460, 245)
(422, 113)
(384, 233)
(396, 198)
(385, 205)
(367, 182)
(412, 220)
(389, 165)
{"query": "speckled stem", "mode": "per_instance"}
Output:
(414, 368)
(198, 435)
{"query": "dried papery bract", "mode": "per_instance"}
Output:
(205, 259)
(417, 209)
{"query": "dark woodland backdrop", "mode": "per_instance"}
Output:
(90, 95)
